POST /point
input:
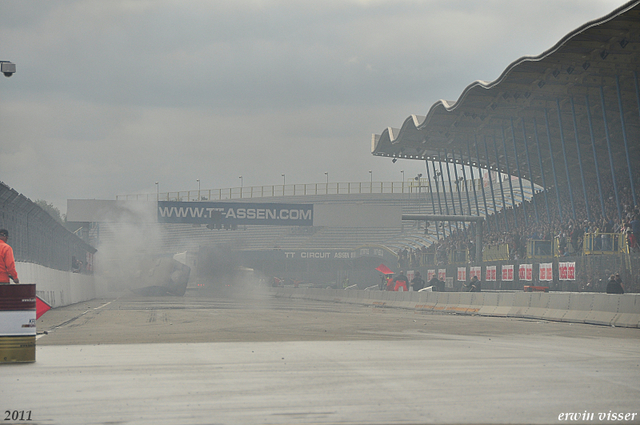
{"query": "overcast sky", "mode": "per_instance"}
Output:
(111, 96)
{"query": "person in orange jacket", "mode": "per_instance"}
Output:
(7, 262)
(401, 282)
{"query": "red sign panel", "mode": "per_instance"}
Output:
(525, 272)
(507, 272)
(475, 271)
(567, 271)
(546, 271)
(462, 274)
(490, 273)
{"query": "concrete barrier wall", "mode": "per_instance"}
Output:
(56, 287)
(505, 302)
(580, 306)
(625, 317)
(590, 308)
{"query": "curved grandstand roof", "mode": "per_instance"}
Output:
(592, 70)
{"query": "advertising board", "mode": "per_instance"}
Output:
(235, 213)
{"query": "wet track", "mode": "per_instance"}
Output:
(209, 359)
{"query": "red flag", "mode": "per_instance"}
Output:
(384, 269)
(41, 307)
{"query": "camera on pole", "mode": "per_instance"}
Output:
(7, 68)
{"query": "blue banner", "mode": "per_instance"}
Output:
(235, 213)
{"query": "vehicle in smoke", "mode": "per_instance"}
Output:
(220, 268)
(163, 276)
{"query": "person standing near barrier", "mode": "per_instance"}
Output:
(473, 285)
(7, 262)
(417, 283)
(434, 283)
(614, 286)
(401, 282)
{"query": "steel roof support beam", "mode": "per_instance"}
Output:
(544, 181)
(433, 204)
(533, 190)
(435, 178)
(475, 196)
(606, 133)
(564, 156)
(466, 187)
(455, 171)
(444, 193)
(584, 185)
(506, 160)
(453, 198)
(624, 138)
(484, 195)
(553, 166)
(456, 218)
(515, 152)
(595, 155)
(493, 196)
(504, 202)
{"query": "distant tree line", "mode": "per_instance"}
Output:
(52, 210)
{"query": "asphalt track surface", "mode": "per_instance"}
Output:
(210, 358)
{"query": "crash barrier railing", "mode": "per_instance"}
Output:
(539, 248)
(421, 259)
(602, 243)
(458, 256)
(563, 246)
(605, 243)
(592, 244)
(428, 258)
(574, 307)
(498, 252)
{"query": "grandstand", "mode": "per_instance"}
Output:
(567, 120)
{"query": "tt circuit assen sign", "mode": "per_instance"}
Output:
(238, 213)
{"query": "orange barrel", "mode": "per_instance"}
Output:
(17, 323)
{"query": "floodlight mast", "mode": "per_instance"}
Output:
(465, 218)
(7, 68)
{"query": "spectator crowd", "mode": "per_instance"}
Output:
(527, 221)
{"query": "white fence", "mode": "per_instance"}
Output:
(56, 287)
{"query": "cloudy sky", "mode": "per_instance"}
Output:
(111, 96)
